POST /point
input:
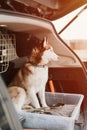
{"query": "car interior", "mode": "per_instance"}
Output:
(67, 75)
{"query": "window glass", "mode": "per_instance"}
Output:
(75, 35)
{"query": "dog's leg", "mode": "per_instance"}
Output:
(34, 99)
(41, 95)
(18, 96)
(20, 100)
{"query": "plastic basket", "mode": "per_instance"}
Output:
(53, 122)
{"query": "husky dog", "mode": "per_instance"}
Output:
(31, 79)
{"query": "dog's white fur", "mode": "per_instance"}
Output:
(31, 79)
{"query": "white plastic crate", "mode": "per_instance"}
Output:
(66, 98)
(53, 122)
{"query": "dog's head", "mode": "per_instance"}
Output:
(42, 53)
(48, 54)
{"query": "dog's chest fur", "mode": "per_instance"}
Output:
(37, 78)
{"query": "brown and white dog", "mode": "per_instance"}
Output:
(31, 79)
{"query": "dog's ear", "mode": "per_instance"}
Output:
(44, 42)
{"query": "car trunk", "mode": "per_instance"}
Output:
(68, 74)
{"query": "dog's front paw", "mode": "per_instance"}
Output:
(46, 106)
(25, 107)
